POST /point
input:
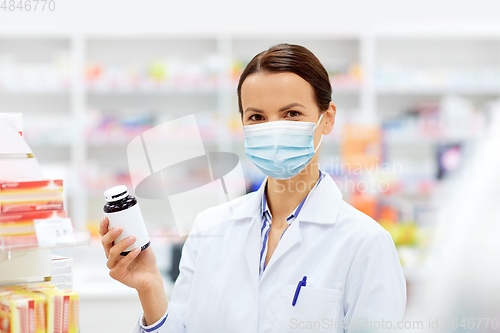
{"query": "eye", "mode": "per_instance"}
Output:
(292, 114)
(256, 117)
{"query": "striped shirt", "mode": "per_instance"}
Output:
(153, 328)
(266, 223)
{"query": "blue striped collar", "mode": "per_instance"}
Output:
(265, 207)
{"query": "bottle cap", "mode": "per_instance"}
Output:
(116, 193)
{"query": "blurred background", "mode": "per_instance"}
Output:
(416, 85)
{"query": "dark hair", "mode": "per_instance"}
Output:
(294, 59)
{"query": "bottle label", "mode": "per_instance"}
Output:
(132, 224)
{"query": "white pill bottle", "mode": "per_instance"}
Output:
(123, 210)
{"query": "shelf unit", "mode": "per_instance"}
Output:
(376, 97)
(25, 250)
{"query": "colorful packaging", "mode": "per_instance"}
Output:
(22, 312)
(9, 290)
(62, 306)
(22, 223)
(4, 317)
(31, 195)
(38, 308)
(361, 147)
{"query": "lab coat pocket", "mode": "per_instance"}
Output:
(316, 309)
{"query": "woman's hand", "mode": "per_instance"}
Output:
(137, 270)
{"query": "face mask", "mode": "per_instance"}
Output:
(281, 149)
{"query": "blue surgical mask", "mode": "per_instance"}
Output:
(281, 149)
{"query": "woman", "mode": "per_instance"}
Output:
(292, 255)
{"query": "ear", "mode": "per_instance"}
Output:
(329, 118)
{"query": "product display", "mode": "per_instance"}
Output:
(400, 78)
(31, 195)
(123, 210)
(23, 202)
(16, 75)
(108, 127)
(161, 74)
(22, 311)
(361, 146)
(31, 211)
(38, 308)
(450, 119)
(61, 309)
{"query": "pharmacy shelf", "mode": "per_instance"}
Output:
(123, 143)
(195, 90)
(49, 143)
(79, 238)
(25, 91)
(431, 90)
(346, 90)
(427, 140)
(219, 54)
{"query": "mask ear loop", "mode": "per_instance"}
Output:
(319, 144)
(319, 120)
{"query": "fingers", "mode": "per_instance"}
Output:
(108, 239)
(120, 269)
(103, 226)
(114, 252)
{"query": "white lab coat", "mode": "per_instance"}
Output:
(352, 268)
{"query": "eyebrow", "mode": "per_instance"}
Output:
(286, 107)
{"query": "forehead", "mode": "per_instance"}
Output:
(275, 88)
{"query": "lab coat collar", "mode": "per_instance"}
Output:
(252, 206)
(322, 205)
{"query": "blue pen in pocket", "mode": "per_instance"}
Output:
(302, 283)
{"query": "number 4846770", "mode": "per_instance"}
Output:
(28, 5)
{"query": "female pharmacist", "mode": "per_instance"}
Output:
(293, 255)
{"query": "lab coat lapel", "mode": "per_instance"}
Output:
(252, 247)
(323, 204)
(290, 239)
(251, 215)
